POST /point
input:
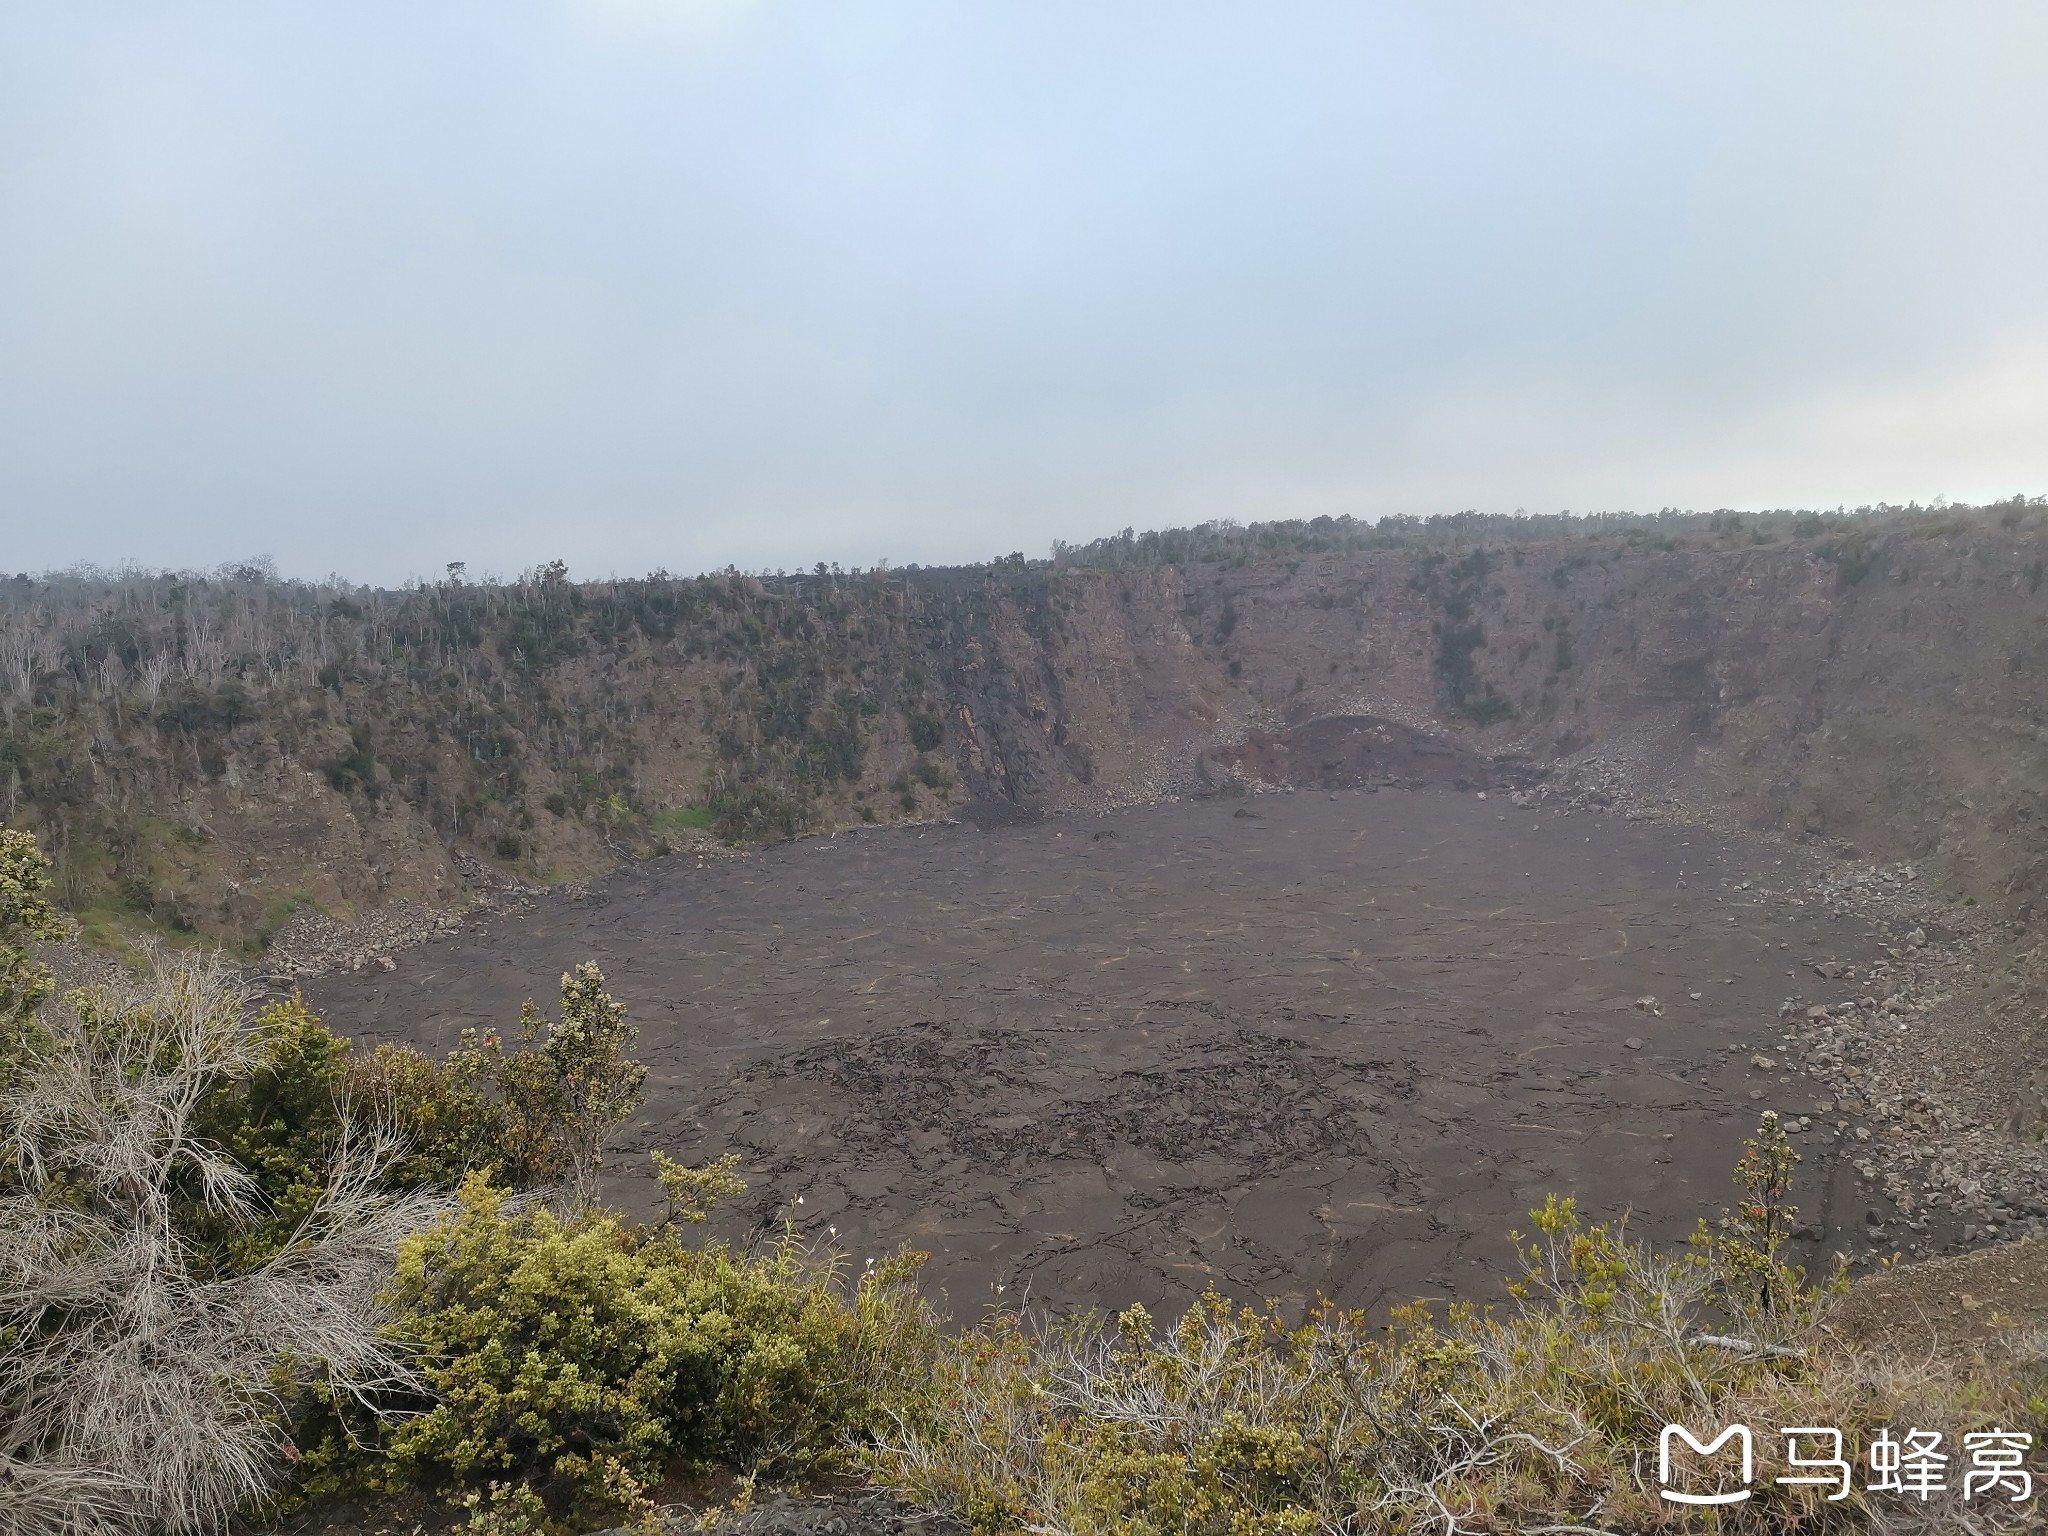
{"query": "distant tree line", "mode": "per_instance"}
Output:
(1228, 541)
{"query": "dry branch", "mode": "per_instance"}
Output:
(138, 1391)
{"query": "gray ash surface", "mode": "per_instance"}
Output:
(1338, 1046)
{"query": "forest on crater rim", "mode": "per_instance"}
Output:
(207, 754)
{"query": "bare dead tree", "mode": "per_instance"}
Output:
(151, 674)
(28, 648)
(136, 1392)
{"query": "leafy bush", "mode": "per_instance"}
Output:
(559, 1105)
(1854, 557)
(693, 1192)
(283, 1120)
(27, 914)
(531, 1116)
(1753, 1233)
(564, 1352)
(357, 767)
(280, 1119)
(445, 1126)
(141, 1389)
(757, 812)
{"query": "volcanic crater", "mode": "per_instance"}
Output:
(1316, 1042)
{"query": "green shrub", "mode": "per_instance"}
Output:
(759, 811)
(445, 1125)
(531, 1116)
(1459, 673)
(357, 767)
(559, 1104)
(1753, 1233)
(683, 818)
(27, 915)
(1854, 557)
(560, 1351)
(1490, 710)
(282, 1122)
(693, 1192)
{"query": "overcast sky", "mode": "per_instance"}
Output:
(371, 287)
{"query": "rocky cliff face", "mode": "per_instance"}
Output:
(1884, 690)
(213, 760)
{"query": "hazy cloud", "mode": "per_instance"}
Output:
(689, 282)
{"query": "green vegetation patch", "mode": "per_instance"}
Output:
(683, 818)
(1458, 587)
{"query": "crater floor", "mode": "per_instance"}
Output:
(1298, 1044)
